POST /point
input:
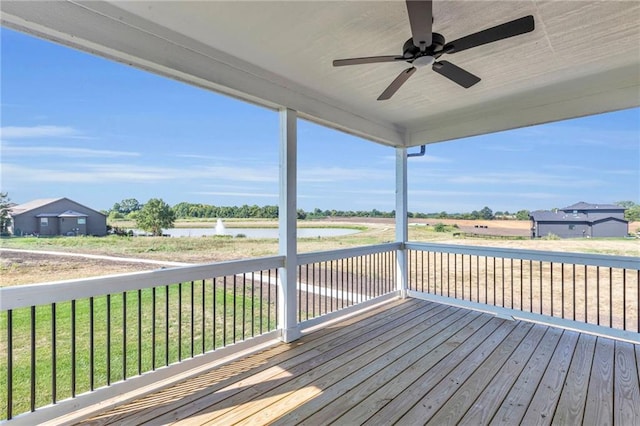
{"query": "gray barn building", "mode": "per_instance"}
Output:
(580, 220)
(56, 216)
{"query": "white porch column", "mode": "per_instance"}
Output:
(287, 216)
(402, 233)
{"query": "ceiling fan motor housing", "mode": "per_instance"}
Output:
(410, 51)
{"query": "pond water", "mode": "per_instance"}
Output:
(257, 232)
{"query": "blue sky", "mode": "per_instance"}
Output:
(95, 131)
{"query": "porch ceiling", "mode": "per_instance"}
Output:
(582, 58)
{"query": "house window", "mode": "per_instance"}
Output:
(82, 220)
(44, 221)
(572, 227)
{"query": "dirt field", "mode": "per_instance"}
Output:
(25, 268)
(28, 268)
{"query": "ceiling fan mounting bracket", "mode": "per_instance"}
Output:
(411, 52)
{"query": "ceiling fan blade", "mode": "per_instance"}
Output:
(420, 18)
(367, 60)
(455, 74)
(395, 84)
(500, 32)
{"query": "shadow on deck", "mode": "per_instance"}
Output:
(410, 362)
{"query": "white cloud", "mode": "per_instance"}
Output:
(420, 159)
(521, 147)
(207, 157)
(581, 136)
(525, 178)
(119, 173)
(429, 159)
(236, 194)
(100, 173)
(342, 174)
(17, 132)
(500, 194)
(39, 151)
(264, 173)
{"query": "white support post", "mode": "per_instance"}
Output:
(287, 221)
(402, 233)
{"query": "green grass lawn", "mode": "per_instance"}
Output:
(127, 336)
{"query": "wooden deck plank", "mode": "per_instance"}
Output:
(491, 397)
(334, 402)
(451, 411)
(410, 362)
(186, 393)
(402, 350)
(626, 386)
(599, 407)
(222, 402)
(574, 394)
(423, 395)
(518, 399)
(547, 393)
(317, 377)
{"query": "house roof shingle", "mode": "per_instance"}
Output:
(34, 204)
(588, 206)
(559, 216)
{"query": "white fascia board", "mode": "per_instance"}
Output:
(607, 91)
(101, 28)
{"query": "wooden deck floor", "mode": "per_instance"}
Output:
(411, 362)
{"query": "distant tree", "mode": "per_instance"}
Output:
(115, 215)
(522, 215)
(632, 210)
(5, 206)
(155, 215)
(626, 204)
(632, 214)
(486, 213)
(129, 205)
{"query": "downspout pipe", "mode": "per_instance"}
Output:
(423, 149)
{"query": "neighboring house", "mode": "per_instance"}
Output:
(581, 220)
(56, 216)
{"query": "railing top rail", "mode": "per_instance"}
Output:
(623, 262)
(61, 291)
(327, 256)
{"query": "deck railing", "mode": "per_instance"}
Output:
(67, 338)
(331, 281)
(593, 289)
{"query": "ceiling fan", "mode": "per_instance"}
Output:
(425, 47)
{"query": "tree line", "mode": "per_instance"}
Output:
(129, 208)
(156, 214)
